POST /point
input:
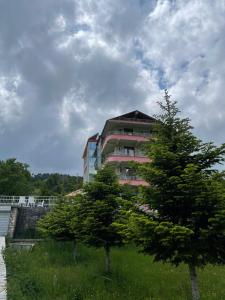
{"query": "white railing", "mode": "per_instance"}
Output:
(124, 152)
(28, 201)
(135, 133)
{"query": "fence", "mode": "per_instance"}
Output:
(28, 201)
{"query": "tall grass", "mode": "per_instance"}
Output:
(48, 272)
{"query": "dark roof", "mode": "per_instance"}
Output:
(93, 138)
(134, 115)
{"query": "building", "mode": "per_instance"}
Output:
(89, 158)
(120, 143)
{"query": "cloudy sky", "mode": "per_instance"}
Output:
(68, 65)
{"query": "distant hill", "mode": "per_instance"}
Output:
(16, 179)
(55, 184)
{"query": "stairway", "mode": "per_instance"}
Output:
(4, 220)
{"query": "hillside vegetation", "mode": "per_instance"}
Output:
(17, 180)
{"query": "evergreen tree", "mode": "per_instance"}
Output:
(62, 223)
(187, 195)
(98, 212)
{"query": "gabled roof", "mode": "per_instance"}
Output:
(134, 115)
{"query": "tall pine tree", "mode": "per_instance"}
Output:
(186, 192)
(98, 212)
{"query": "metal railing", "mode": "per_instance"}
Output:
(127, 153)
(135, 133)
(28, 201)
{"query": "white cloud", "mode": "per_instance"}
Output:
(11, 104)
(72, 103)
(85, 61)
(60, 23)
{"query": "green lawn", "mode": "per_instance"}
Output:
(48, 272)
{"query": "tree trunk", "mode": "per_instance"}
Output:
(75, 251)
(194, 282)
(107, 259)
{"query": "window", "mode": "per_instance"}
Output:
(127, 173)
(128, 131)
(129, 151)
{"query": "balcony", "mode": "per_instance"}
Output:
(130, 133)
(126, 156)
(136, 136)
(132, 180)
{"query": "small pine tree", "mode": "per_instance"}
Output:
(98, 212)
(62, 222)
(187, 195)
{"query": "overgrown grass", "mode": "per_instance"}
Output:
(48, 272)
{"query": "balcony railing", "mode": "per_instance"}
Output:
(134, 133)
(124, 156)
(128, 177)
(29, 201)
(135, 153)
(132, 180)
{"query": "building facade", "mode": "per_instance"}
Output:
(120, 143)
(89, 158)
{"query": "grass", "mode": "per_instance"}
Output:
(48, 272)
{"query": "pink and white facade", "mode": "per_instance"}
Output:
(121, 142)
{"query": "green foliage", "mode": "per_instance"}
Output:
(60, 223)
(187, 194)
(185, 191)
(172, 243)
(55, 184)
(100, 209)
(128, 192)
(98, 212)
(14, 178)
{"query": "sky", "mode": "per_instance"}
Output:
(68, 65)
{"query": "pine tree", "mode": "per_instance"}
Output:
(187, 195)
(99, 211)
(62, 223)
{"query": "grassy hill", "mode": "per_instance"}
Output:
(48, 272)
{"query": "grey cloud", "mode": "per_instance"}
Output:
(109, 81)
(104, 58)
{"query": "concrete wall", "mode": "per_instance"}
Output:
(27, 218)
(12, 221)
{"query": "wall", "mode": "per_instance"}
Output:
(27, 218)
(12, 221)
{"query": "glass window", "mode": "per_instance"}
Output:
(129, 151)
(128, 131)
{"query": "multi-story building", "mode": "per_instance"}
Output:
(89, 158)
(120, 143)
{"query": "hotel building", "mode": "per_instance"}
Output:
(120, 143)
